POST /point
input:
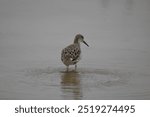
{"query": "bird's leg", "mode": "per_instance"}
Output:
(67, 68)
(75, 67)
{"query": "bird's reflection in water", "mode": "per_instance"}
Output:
(70, 85)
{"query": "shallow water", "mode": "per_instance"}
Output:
(115, 66)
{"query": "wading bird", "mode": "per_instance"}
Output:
(71, 54)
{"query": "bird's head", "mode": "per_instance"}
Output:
(79, 38)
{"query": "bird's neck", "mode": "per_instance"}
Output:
(76, 41)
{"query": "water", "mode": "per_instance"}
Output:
(115, 66)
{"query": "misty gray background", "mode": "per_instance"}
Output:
(115, 66)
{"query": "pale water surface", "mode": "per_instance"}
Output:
(115, 66)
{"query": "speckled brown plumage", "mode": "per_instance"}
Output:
(71, 54)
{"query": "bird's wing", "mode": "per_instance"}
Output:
(72, 52)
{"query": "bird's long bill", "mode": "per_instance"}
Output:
(85, 43)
